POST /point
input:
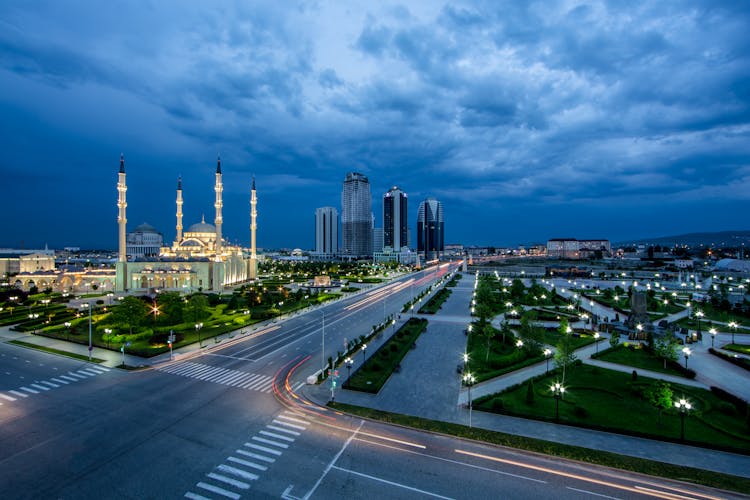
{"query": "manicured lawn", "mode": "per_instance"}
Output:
(740, 348)
(578, 340)
(502, 358)
(50, 350)
(612, 401)
(435, 303)
(637, 358)
(381, 364)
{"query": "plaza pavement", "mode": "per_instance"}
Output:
(432, 390)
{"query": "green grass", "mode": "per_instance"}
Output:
(553, 338)
(604, 458)
(380, 365)
(611, 401)
(502, 358)
(50, 350)
(633, 355)
(740, 348)
(436, 302)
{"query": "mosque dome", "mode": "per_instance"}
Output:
(202, 227)
(145, 228)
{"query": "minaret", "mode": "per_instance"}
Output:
(178, 239)
(217, 205)
(253, 226)
(121, 280)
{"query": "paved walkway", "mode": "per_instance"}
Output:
(433, 390)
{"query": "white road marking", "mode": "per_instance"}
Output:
(279, 429)
(252, 465)
(279, 422)
(592, 493)
(263, 448)
(269, 441)
(69, 378)
(238, 472)
(59, 381)
(296, 420)
(19, 394)
(195, 496)
(37, 386)
(228, 480)
(218, 491)
(277, 436)
(349, 471)
(32, 391)
(256, 456)
(5, 396)
(54, 386)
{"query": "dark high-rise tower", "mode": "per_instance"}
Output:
(395, 221)
(430, 227)
(356, 216)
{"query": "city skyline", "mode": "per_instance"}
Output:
(538, 120)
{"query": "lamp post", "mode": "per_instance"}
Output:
(596, 341)
(67, 329)
(198, 327)
(733, 325)
(699, 315)
(547, 354)
(519, 343)
(683, 406)
(91, 347)
(687, 352)
(349, 362)
(557, 390)
(323, 345)
(713, 333)
(364, 353)
(107, 332)
(32, 318)
(469, 380)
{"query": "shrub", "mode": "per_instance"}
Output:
(580, 412)
(727, 408)
(634, 376)
(530, 392)
(497, 404)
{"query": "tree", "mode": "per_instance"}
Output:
(488, 332)
(564, 355)
(660, 395)
(531, 335)
(171, 306)
(196, 308)
(131, 312)
(666, 348)
(530, 392)
(614, 339)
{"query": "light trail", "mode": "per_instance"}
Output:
(632, 489)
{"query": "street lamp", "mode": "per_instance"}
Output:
(713, 333)
(198, 327)
(469, 380)
(364, 353)
(596, 341)
(547, 354)
(699, 315)
(33, 317)
(687, 352)
(519, 343)
(107, 332)
(684, 406)
(733, 325)
(558, 391)
(349, 362)
(67, 329)
(323, 345)
(91, 347)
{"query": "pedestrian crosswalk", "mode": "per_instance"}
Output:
(232, 378)
(43, 386)
(233, 478)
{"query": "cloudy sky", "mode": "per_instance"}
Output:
(528, 120)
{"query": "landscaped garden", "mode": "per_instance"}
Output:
(436, 302)
(380, 365)
(641, 357)
(621, 402)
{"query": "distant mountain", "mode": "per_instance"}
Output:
(717, 239)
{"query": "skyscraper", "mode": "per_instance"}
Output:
(326, 231)
(395, 225)
(430, 226)
(356, 216)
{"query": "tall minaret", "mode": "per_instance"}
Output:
(178, 239)
(121, 280)
(253, 226)
(217, 205)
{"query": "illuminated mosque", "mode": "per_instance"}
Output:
(199, 259)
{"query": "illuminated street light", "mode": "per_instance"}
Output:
(686, 352)
(67, 329)
(683, 406)
(596, 341)
(558, 391)
(198, 327)
(469, 380)
(547, 354)
(733, 325)
(713, 333)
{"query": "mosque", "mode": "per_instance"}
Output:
(199, 259)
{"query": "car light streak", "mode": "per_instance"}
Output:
(632, 489)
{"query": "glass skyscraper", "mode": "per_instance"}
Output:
(395, 225)
(356, 216)
(326, 231)
(430, 227)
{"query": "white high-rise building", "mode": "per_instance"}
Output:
(356, 217)
(326, 231)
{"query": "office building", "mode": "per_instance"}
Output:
(395, 220)
(356, 217)
(430, 229)
(326, 231)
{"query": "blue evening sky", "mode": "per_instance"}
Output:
(528, 120)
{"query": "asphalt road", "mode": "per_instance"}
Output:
(223, 425)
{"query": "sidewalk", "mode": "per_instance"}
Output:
(429, 389)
